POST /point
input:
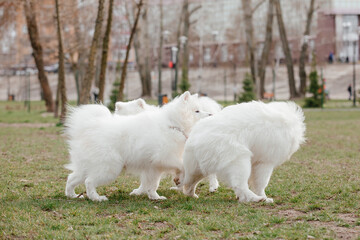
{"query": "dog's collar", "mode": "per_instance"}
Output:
(180, 130)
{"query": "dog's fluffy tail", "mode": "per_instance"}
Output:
(80, 120)
(298, 123)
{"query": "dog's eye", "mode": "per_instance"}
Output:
(197, 111)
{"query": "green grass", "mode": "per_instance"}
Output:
(316, 193)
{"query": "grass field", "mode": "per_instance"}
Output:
(316, 194)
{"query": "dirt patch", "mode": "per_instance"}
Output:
(31, 125)
(340, 232)
(291, 214)
(349, 218)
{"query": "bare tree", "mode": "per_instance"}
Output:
(266, 49)
(124, 67)
(160, 46)
(105, 49)
(61, 73)
(184, 84)
(33, 32)
(87, 81)
(141, 46)
(178, 45)
(76, 44)
(304, 47)
(249, 34)
(287, 52)
(248, 12)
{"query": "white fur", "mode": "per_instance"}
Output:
(133, 107)
(206, 104)
(148, 143)
(209, 105)
(242, 145)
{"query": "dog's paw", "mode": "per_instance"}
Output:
(269, 200)
(251, 198)
(100, 199)
(158, 198)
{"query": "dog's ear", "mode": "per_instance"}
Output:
(185, 96)
(141, 102)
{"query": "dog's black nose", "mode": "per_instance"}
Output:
(210, 114)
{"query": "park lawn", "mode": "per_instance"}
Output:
(316, 193)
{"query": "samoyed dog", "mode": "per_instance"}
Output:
(148, 143)
(242, 145)
(133, 107)
(206, 104)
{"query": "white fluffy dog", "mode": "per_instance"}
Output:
(136, 106)
(242, 145)
(148, 143)
(133, 107)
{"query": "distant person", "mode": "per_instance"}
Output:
(331, 57)
(95, 93)
(350, 92)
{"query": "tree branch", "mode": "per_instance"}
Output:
(194, 10)
(257, 6)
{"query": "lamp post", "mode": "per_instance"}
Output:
(174, 51)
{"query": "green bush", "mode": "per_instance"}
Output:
(115, 90)
(248, 87)
(315, 100)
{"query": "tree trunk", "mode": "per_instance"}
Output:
(178, 45)
(266, 49)
(145, 38)
(141, 46)
(287, 52)
(38, 53)
(79, 55)
(61, 73)
(123, 73)
(249, 34)
(87, 81)
(304, 47)
(184, 84)
(104, 56)
(160, 47)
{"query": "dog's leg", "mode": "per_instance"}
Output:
(213, 182)
(190, 183)
(91, 185)
(193, 176)
(74, 179)
(140, 190)
(259, 179)
(237, 174)
(151, 183)
(98, 178)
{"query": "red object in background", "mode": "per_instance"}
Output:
(171, 65)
